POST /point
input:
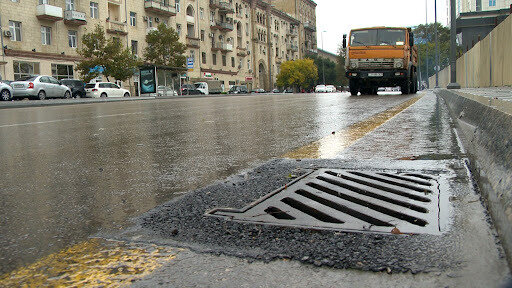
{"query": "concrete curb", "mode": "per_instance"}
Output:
(487, 135)
(59, 102)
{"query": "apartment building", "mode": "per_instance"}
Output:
(235, 41)
(465, 6)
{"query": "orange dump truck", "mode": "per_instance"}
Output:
(381, 57)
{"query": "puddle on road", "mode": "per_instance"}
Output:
(332, 145)
(94, 262)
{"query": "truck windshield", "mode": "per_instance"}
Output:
(377, 37)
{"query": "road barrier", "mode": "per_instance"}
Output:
(487, 64)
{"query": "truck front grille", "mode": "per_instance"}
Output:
(376, 63)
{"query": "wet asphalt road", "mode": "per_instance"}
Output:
(72, 171)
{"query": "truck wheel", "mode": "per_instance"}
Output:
(354, 90)
(406, 88)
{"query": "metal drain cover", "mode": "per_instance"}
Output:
(349, 200)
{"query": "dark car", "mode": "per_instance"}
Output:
(190, 91)
(238, 89)
(77, 87)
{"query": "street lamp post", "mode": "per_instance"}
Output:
(437, 45)
(453, 60)
(426, 46)
(322, 59)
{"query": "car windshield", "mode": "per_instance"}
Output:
(27, 78)
(90, 85)
(377, 37)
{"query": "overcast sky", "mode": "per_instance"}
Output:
(337, 17)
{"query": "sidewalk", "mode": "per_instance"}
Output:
(57, 102)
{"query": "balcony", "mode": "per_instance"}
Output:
(151, 29)
(223, 6)
(292, 47)
(48, 12)
(118, 28)
(292, 33)
(224, 47)
(309, 26)
(193, 42)
(159, 7)
(76, 18)
(312, 51)
(242, 52)
(190, 19)
(279, 60)
(223, 26)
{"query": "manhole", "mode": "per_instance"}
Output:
(349, 200)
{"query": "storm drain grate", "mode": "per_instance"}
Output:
(349, 200)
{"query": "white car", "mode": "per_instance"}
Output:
(105, 89)
(320, 89)
(330, 89)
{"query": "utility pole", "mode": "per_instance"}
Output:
(426, 45)
(437, 45)
(453, 46)
(322, 58)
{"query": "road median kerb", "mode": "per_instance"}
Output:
(487, 135)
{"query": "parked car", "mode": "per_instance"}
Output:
(289, 90)
(320, 89)
(5, 91)
(187, 87)
(105, 89)
(259, 90)
(77, 87)
(191, 91)
(40, 87)
(8, 82)
(276, 91)
(330, 89)
(164, 91)
(238, 89)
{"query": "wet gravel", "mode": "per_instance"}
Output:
(181, 222)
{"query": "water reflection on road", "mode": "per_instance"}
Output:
(71, 171)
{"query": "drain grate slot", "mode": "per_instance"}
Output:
(343, 209)
(380, 187)
(348, 200)
(310, 211)
(391, 182)
(399, 215)
(278, 213)
(424, 183)
(374, 195)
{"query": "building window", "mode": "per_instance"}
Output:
(94, 10)
(15, 28)
(492, 3)
(133, 19)
(46, 35)
(224, 61)
(43, 2)
(70, 5)
(249, 64)
(201, 13)
(178, 29)
(135, 47)
(22, 69)
(202, 35)
(150, 22)
(233, 62)
(214, 59)
(72, 38)
(60, 71)
(178, 6)
(203, 56)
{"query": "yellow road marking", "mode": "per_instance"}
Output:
(332, 145)
(91, 263)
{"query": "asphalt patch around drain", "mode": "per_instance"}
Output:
(182, 222)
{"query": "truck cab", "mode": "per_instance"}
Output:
(381, 57)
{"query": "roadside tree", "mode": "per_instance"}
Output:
(107, 57)
(299, 74)
(164, 47)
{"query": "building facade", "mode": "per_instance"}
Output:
(235, 41)
(466, 6)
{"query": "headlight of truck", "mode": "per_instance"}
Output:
(399, 63)
(354, 63)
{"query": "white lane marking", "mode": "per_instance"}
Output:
(63, 120)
